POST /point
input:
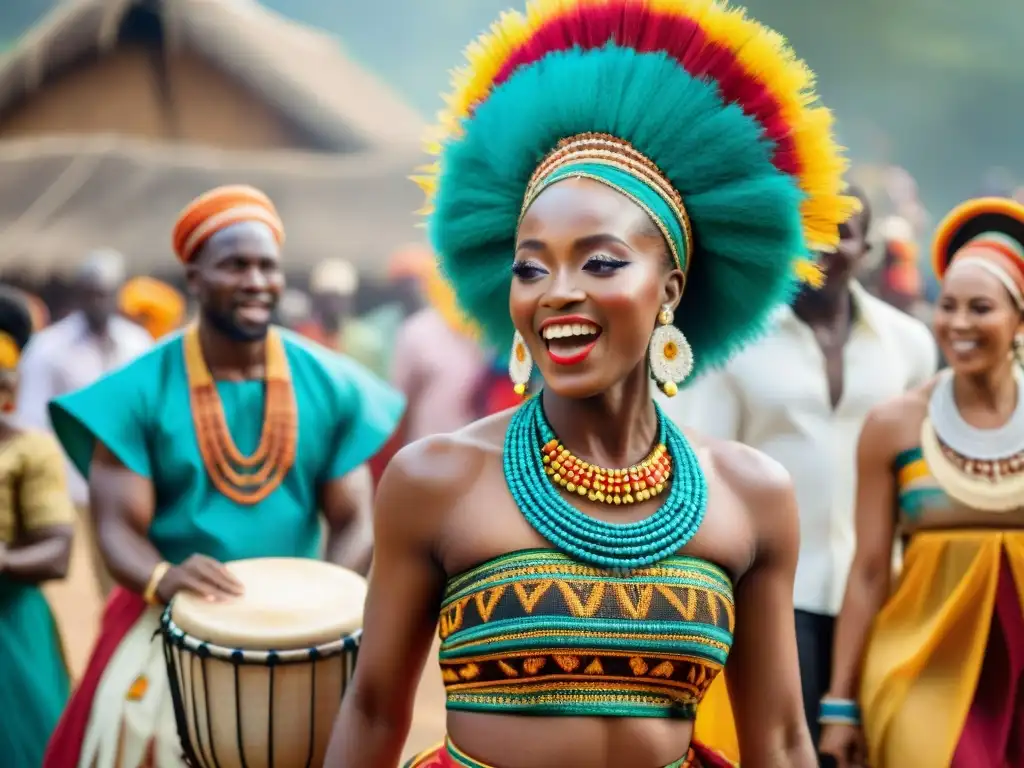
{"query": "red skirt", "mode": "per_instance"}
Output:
(994, 732)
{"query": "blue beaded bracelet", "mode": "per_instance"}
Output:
(839, 712)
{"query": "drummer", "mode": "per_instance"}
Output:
(222, 443)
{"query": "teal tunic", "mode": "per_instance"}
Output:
(34, 684)
(142, 414)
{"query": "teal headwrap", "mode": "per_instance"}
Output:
(673, 223)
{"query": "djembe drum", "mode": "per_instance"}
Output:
(256, 681)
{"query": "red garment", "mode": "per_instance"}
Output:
(500, 395)
(380, 460)
(993, 735)
(123, 609)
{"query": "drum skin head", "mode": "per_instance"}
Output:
(289, 603)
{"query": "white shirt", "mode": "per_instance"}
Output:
(65, 357)
(774, 396)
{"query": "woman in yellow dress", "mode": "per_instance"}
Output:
(36, 524)
(929, 674)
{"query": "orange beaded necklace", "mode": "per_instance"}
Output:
(244, 479)
(637, 483)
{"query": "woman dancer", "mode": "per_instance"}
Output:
(625, 189)
(943, 469)
(36, 525)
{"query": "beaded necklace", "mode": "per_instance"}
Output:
(244, 479)
(621, 547)
(631, 485)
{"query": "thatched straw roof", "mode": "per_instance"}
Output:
(62, 196)
(304, 73)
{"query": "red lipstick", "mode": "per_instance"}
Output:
(575, 358)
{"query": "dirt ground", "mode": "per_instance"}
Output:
(77, 605)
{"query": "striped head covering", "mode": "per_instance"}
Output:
(219, 209)
(988, 232)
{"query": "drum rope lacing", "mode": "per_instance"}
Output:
(176, 640)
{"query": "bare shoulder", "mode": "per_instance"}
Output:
(891, 424)
(763, 489)
(433, 474)
(756, 479)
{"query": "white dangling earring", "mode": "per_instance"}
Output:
(520, 364)
(670, 354)
(1018, 349)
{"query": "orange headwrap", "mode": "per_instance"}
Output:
(218, 209)
(154, 305)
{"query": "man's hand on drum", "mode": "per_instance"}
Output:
(202, 575)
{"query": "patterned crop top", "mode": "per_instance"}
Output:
(536, 632)
(917, 490)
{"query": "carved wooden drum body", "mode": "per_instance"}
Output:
(257, 680)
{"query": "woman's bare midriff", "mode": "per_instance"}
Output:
(563, 742)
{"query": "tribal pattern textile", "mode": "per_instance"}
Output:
(536, 632)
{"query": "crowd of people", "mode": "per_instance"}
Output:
(633, 438)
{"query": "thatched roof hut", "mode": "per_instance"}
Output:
(114, 113)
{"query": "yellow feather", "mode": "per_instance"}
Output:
(809, 272)
(427, 183)
(763, 54)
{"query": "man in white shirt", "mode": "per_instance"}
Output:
(76, 351)
(800, 395)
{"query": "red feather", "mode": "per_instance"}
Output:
(644, 30)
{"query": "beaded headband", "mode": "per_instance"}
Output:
(605, 158)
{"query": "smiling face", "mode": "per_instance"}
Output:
(591, 274)
(238, 281)
(975, 320)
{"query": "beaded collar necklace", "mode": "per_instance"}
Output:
(981, 468)
(620, 547)
(244, 479)
(630, 485)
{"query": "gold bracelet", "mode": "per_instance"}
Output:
(149, 595)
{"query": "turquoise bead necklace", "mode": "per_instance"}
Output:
(621, 547)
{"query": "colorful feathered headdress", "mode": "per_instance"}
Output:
(706, 107)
